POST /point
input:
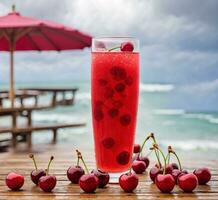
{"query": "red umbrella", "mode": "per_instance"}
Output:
(19, 33)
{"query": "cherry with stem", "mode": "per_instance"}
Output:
(37, 173)
(87, 182)
(164, 182)
(75, 172)
(128, 181)
(48, 182)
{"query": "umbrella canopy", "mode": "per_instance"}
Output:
(19, 33)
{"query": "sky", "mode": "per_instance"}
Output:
(178, 41)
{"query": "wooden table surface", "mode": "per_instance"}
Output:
(65, 157)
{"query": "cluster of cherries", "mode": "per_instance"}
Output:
(164, 176)
(88, 182)
(39, 177)
(168, 175)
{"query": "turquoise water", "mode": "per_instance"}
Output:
(186, 130)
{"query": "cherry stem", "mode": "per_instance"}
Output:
(80, 157)
(143, 145)
(168, 158)
(180, 166)
(47, 170)
(114, 48)
(34, 161)
(77, 161)
(170, 150)
(157, 152)
(164, 158)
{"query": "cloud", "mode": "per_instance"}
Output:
(178, 38)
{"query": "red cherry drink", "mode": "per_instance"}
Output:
(114, 91)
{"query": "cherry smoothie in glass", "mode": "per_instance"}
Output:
(114, 92)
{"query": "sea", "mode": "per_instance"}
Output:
(189, 132)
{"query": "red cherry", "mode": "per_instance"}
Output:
(125, 120)
(36, 175)
(108, 142)
(103, 177)
(128, 182)
(118, 73)
(47, 183)
(165, 183)
(137, 148)
(176, 173)
(88, 183)
(203, 175)
(127, 46)
(123, 157)
(154, 171)
(74, 174)
(174, 166)
(120, 87)
(113, 112)
(145, 159)
(14, 181)
(169, 169)
(138, 166)
(188, 182)
(98, 114)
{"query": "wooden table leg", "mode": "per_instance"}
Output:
(36, 100)
(14, 140)
(29, 140)
(54, 136)
(29, 123)
(54, 99)
(14, 125)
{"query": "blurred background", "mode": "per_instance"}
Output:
(178, 65)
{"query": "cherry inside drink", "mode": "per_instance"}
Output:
(114, 90)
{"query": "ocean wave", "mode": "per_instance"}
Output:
(202, 116)
(169, 112)
(156, 87)
(192, 144)
(56, 117)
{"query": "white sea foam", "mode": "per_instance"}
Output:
(55, 117)
(156, 87)
(187, 145)
(169, 112)
(202, 116)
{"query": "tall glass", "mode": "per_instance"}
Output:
(114, 92)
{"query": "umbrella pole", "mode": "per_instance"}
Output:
(12, 75)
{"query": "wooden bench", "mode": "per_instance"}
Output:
(27, 130)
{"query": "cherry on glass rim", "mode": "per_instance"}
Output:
(127, 46)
